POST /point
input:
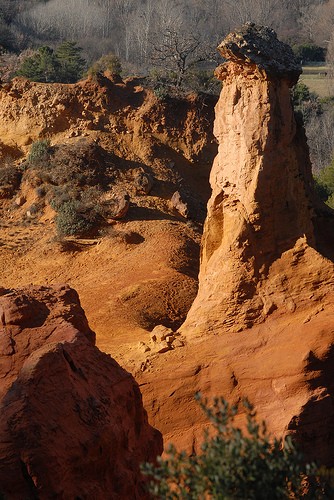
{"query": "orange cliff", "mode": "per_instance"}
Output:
(262, 324)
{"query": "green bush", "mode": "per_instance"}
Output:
(321, 189)
(234, 464)
(198, 79)
(75, 218)
(305, 101)
(309, 52)
(299, 93)
(109, 62)
(324, 184)
(38, 149)
(9, 176)
(80, 164)
(330, 201)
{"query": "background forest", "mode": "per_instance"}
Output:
(174, 43)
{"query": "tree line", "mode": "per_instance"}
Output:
(136, 30)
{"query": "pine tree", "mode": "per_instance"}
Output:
(41, 67)
(71, 63)
(65, 65)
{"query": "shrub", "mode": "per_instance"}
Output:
(77, 164)
(109, 62)
(330, 201)
(309, 52)
(75, 218)
(10, 178)
(299, 93)
(321, 189)
(41, 191)
(305, 101)
(234, 464)
(9, 175)
(324, 184)
(198, 79)
(38, 149)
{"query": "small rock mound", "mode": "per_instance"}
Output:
(72, 420)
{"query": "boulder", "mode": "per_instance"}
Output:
(143, 183)
(72, 423)
(117, 206)
(179, 204)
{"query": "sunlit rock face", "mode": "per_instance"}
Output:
(262, 324)
(258, 249)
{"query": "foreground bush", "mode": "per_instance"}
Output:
(234, 464)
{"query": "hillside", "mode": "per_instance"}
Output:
(240, 305)
(132, 273)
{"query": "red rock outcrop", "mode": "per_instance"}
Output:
(130, 139)
(72, 423)
(262, 325)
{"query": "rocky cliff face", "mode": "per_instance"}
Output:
(127, 110)
(259, 252)
(262, 323)
(72, 423)
(146, 263)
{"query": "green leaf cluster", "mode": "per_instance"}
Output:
(75, 218)
(309, 52)
(38, 149)
(64, 65)
(324, 184)
(299, 93)
(109, 62)
(233, 464)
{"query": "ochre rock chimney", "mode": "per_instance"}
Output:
(259, 253)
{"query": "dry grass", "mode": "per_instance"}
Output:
(318, 79)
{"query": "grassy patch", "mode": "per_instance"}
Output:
(318, 80)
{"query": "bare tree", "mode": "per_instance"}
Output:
(63, 20)
(311, 19)
(142, 21)
(174, 51)
(320, 134)
(178, 40)
(264, 12)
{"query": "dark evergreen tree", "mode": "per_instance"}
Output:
(41, 67)
(70, 61)
(65, 65)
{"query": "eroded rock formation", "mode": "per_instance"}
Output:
(72, 423)
(262, 325)
(127, 141)
(259, 252)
